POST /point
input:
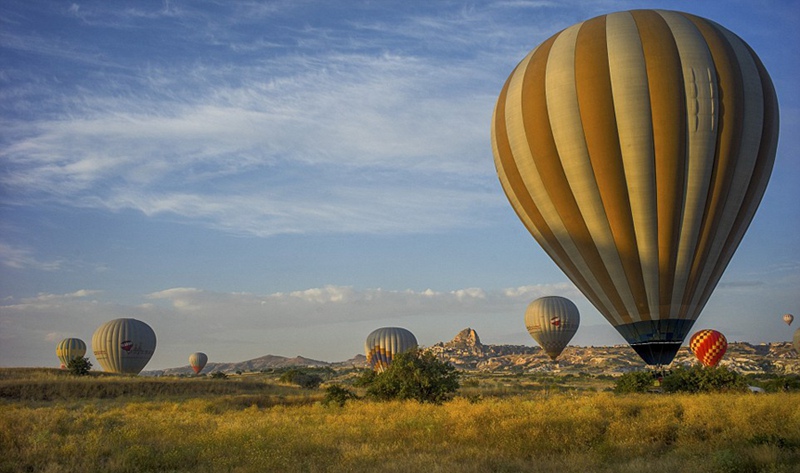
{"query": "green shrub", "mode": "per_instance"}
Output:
(781, 384)
(218, 375)
(79, 366)
(699, 378)
(301, 378)
(365, 378)
(336, 394)
(415, 375)
(635, 382)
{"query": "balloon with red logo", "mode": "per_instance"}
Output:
(198, 361)
(708, 346)
(124, 346)
(552, 321)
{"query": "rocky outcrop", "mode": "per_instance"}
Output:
(466, 352)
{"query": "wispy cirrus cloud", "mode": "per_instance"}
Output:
(344, 129)
(18, 257)
(335, 126)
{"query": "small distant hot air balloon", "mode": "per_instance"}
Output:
(124, 345)
(636, 147)
(68, 349)
(198, 361)
(384, 343)
(788, 318)
(708, 346)
(552, 321)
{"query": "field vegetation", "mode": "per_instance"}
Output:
(255, 423)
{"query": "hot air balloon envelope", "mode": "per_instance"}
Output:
(788, 318)
(384, 343)
(552, 321)
(124, 345)
(636, 147)
(708, 346)
(198, 361)
(69, 349)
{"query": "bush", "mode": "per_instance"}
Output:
(301, 378)
(700, 378)
(218, 375)
(415, 375)
(338, 395)
(79, 366)
(781, 384)
(365, 378)
(635, 382)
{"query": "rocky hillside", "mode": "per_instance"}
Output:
(264, 363)
(465, 351)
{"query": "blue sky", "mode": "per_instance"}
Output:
(257, 178)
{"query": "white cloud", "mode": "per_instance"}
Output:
(364, 145)
(17, 257)
(239, 323)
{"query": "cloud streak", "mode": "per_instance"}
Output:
(346, 100)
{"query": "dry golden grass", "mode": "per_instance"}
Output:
(276, 431)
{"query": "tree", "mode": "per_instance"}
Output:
(415, 375)
(339, 395)
(79, 366)
(301, 378)
(634, 382)
(699, 378)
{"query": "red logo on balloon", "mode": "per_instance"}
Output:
(127, 345)
(555, 321)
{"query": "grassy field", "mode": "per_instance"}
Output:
(128, 424)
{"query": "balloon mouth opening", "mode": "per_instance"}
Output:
(657, 353)
(656, 341)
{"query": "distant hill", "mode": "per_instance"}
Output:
(266, 362)
(465, 351)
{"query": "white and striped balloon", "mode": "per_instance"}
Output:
(124, 346)
(636, 147)
(69, 349)
(384, 343)
(552, 321)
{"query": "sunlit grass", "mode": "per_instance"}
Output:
(281, 429)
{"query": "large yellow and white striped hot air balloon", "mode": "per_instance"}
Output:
(124, 345)
(384, 343)
(552, 321)
(69, 349)
(636, 147)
